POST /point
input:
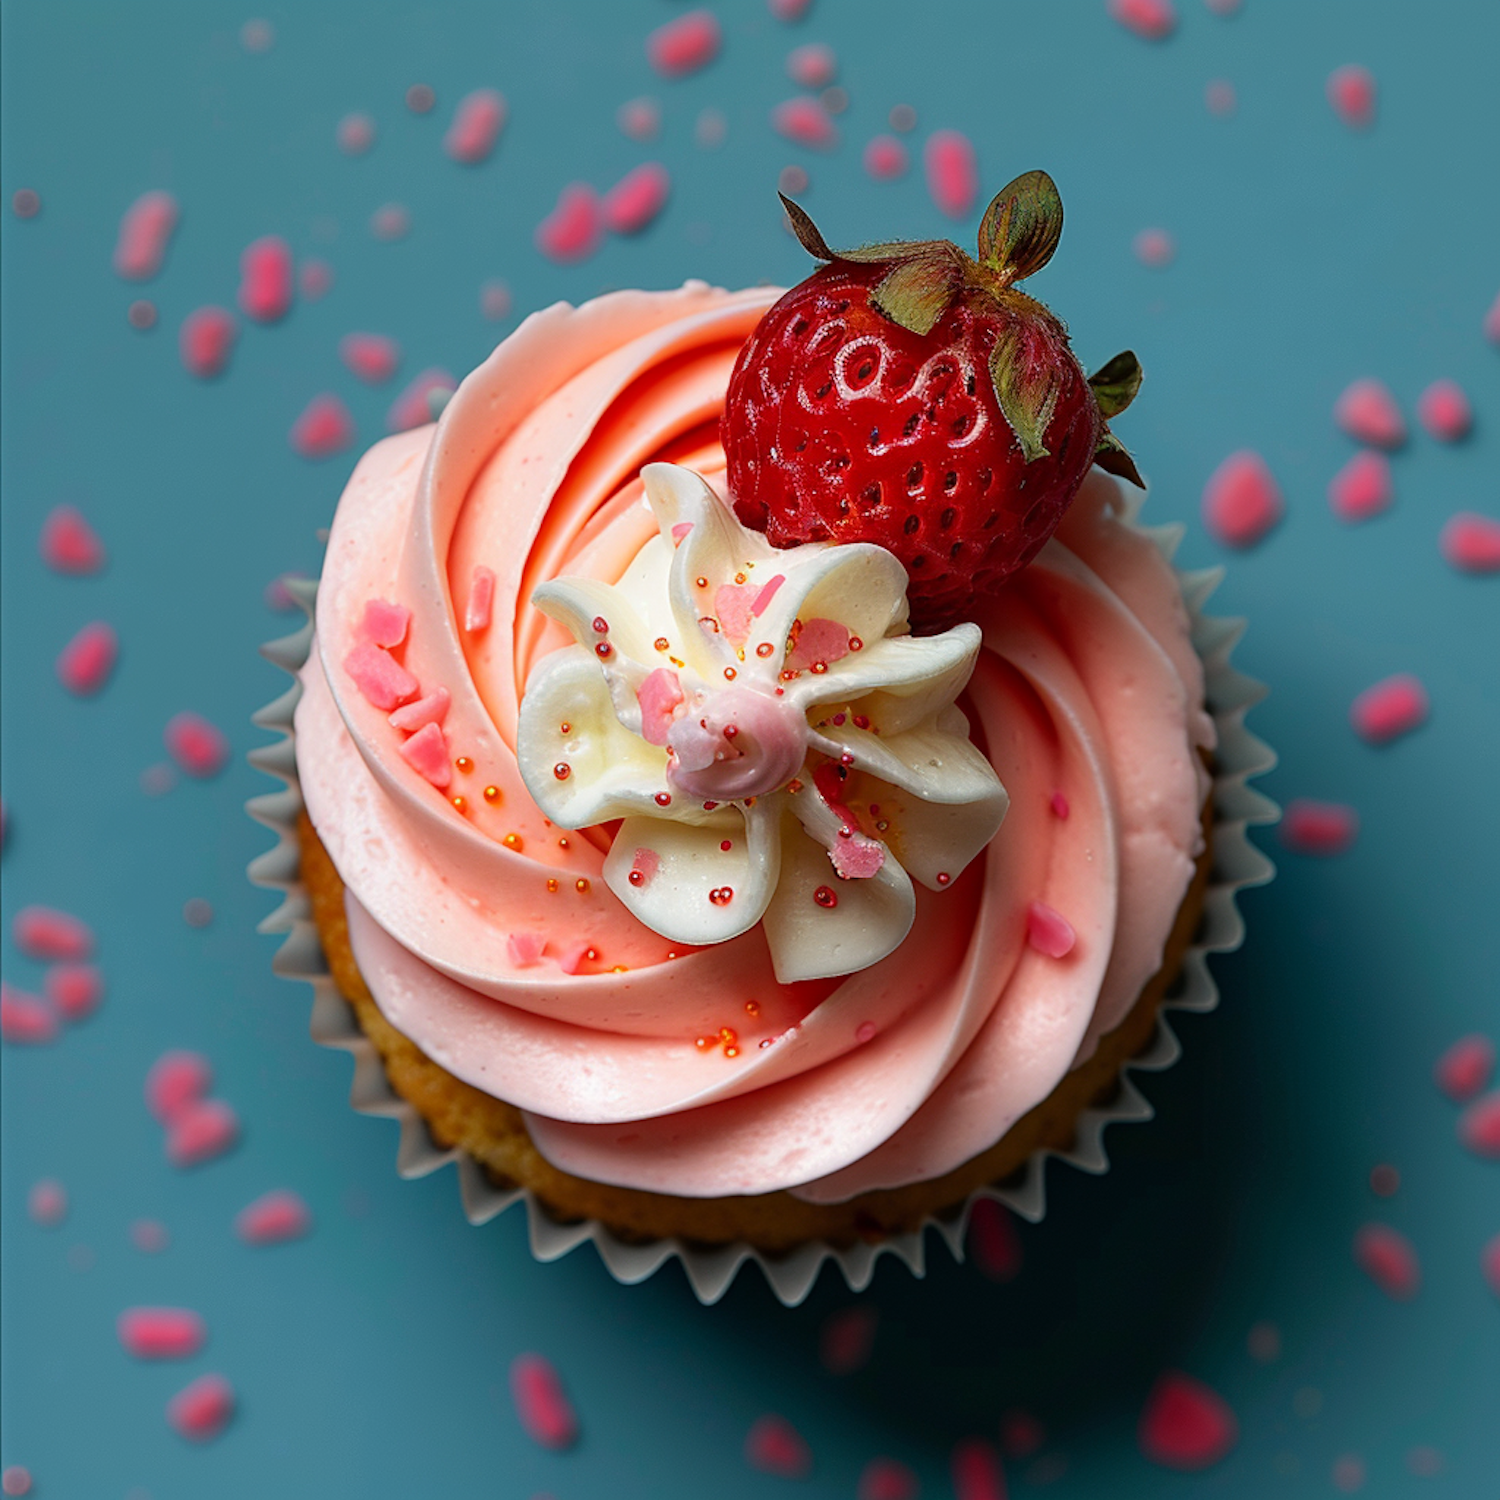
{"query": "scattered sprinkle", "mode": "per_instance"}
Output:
(792, 180)
(201, 1411)
(69, 544)
(201, 1131)
(774, 1446)
(812, 66)
(391, 221)
(952, 172)
(1220, 97)
(431, 709)
(1465, 1068)
(266, 279)
(1479, 1126)
(1362, 488)
(1423, 1461)
(994, 1245)
(480, 608)
(257, 36)
(75, 989)
(141, 315)
(1391, 708)
(710, 128)
(158, 780)
(477, 123)
(636, 199)
(15, 1480)
(1155, 248)
(805, 121)
(685, 44)
(383, 623)
(382, 681)
(371, 357)
(848, 1339)
(902, 117)
(197, 912)
(149, 1236)
(206, 340)
(789, 10)
(1367, 411)
(541, 1403)
(356, 134)
(45, 933)
(1387, 1257)
(1223, 7)
(1185, 1424)
(274, 1218)
(1318, 828)
(1241, 501)
(85, 663)
(974, 1467)
(1351, 92)
(145, 231)
(495, 300)
(1348, 1473)
(640, 119)
(420, 99)
(1471, 543)
(1444, 410)
(324, 429)
(315, 279)
(525, 949)
(177, 1080)
(1048, 931)
(1153, 19)
(886, 158)
(47, 1203)
(1492, 321)
(887, 1479)
(414, 406)
(25, 203)
(161, 1332)
(198, 747)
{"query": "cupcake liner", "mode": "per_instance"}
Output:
(710, 1269)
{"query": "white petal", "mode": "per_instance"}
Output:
(936, 763)
(936, 838)
(576, 603)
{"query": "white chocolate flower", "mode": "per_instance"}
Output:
(778, 747)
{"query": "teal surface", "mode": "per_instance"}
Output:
(370, 1360)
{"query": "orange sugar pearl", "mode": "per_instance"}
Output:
(551, 886)
(581, 885)
(492, 794)
(752, 1007)
(563, 844)
(460, 804)
(703, 1043)
(619, 969)
(464, 764)
(661, 643)
(512, 841)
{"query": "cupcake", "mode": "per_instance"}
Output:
(729, 847)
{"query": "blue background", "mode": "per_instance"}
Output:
(371, 1358)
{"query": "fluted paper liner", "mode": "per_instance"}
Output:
(710, 1269)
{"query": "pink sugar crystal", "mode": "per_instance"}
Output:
(1389, 709)
(431, 709)
(1351, 92)
(421, 401)
(324, 429)
(1367, 411)
(206, 340)
(85, 663)
(381, 679)
(1444, 410)
(160, 1332)
(480, 608)
(274, 1218)
(1318, 828)
(887, 1479)
(1471, 543)
(384, 623)
(370, 357)
(684, 44)
(541, 1403)
(201, 1411)
(1479, 1126)
(1185, 1424)
(952, 172)
(145, 232)
(848, 1339)
(426, 752)
(774, 1446)
(202, 1130)
(886, 158)
(45, 933)
(1241, 501)
(47, 1203)
(198, 747)
(266, 279)
(975, 1470)
(1048, 931)
(994, 1245)
(525, 949)
(75, 989)
(1153, 19)
(1362, 488)
(69, 544)
(636, 199)
(25, 1020)
(640, 119)
(1465, 1068)
(477, 123)
(805, 121)
(857, 858)
(177, 1081)
(1386, 1256)
(812, 66)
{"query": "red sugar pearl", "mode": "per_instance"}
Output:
(826, 897)
(562, 770)
(722, 895)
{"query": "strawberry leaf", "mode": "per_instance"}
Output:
(917, 292)
(806, 231)
(1114, 458)
(1027, 392)
(1021, 227)
(1115, 385)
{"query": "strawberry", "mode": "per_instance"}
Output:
(910, 395)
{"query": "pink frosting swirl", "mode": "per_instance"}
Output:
(488, 937)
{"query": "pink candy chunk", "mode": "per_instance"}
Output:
(1153, 19)
(658, 697)
(1241, 501)
(886, 158)
(1318, 828)
(426, 752)
(805, 121)
(206, 340)
(324, 429)
(266, 279)
(69, 544)
(421, 401)
(477, 123)
(145, 232)
(160, 1332)
(55, 936)
(645, 864)
(1351, 92)
(432, 709)
(774, 1446)
(1362, 488)
(384, 623)
(819, 640)
(1479, 1126)
(274, 1218)
(1367, 411)
(200, 1131)
(734, 604)
(685, 44)
(86, 662)
(1471, 543)
(541, 1403)
(812, 66)
(574, 229)
(380, 678)
(176, 1082)
(1465, 1068)
(974, 1467)
(952, 172)
(75, 989)
(479, 611)
(197, 746)
(887, 1479)
(1185, 1424)
(370, 357)
(1386, 1256)
(201, 1411)
(1444, 410)
(994, 1245)
(636, 199)
(25, 1020)
(1048, 931)
(1389, 709)
(525, 949)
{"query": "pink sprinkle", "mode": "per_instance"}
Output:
(144, 233)
(886, 158)
(993, 1242)
(370, 357)
(1185, 1425)
(1020, 1433)
(1471, 543)
(1466, 1067)
(324, 429)
(421, 401)
(200, 1131)
(774, 1446)
(266, 279)
(15, 1480)
(177, 1081)
(391, 221)
(206, 340)
(768, 593)
(848, 1339)
(1059, 806)
(819, 640)
(75, 989)
(975, 1470)
(525, 949)
(202, 1410)
(1219, 96)
(1362, 488)
(952, 172)
(541, 1403)
(196, 745)
(1241, 501)
(658, 697)
(1351, 92)
(789, 10)
(1444, 410)
(1155, 248)
(1048, 931)
(805, 121)
(495, 300)
(685, 44)
(865, 1031)
(54, 936)
(384, 623)
(69, 543)
(86, 661)
(812, 66)
(640, 119)
(887, 1479)
(1479, 1126)
(1389, 709)
(382, 681)
(1318, 828)
(1153, 19)
(315, 279)
(274, 1218)
(149, 1236)
(636, 199)
(47, 1203)
(572, 959)
(1367, 411)
(426, 752)
(1348, 1474)
(1386, 1256)
(1490, 1264)
(160, 1332)
(477, 123)
(25, 1020)
(432, 709)
(480, 608)
(356, 134)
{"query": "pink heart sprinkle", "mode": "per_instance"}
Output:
(421, 402)
(1362, 488)
(477, 123)
(75, 989)
(206, 340)
(974, 1467)
(426, 752)
(266, 279)
(45, 933)
(324, 429)
(1351, 92)
(636, 199)
(1479, 1126)
(144, 233)
(574, 229)
(1318, 828)
(1185, 1424)
(805, 121)
(994, 1245)
(848, 1339)
(1048, 931)
(1389, 709)
(887, 1479)
(1471, 543)
(774, 1446)
(685, 44)
(1387, 1257)
(1155, 20)
(201, 1411)
(1241, 501)
(886, 158)
(274, 1218)
(176, 1082)
(69, 544)
(197, 746)
(432, 709)
(160, 1332)
(1465, 1068)
(371, 357)
(384, 623)
(200, 1131)
(541, 1403)
(25, 1020)
(1444, 410)
(382, 681)
(1367, 411)
(85, 663)
(952, 172)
